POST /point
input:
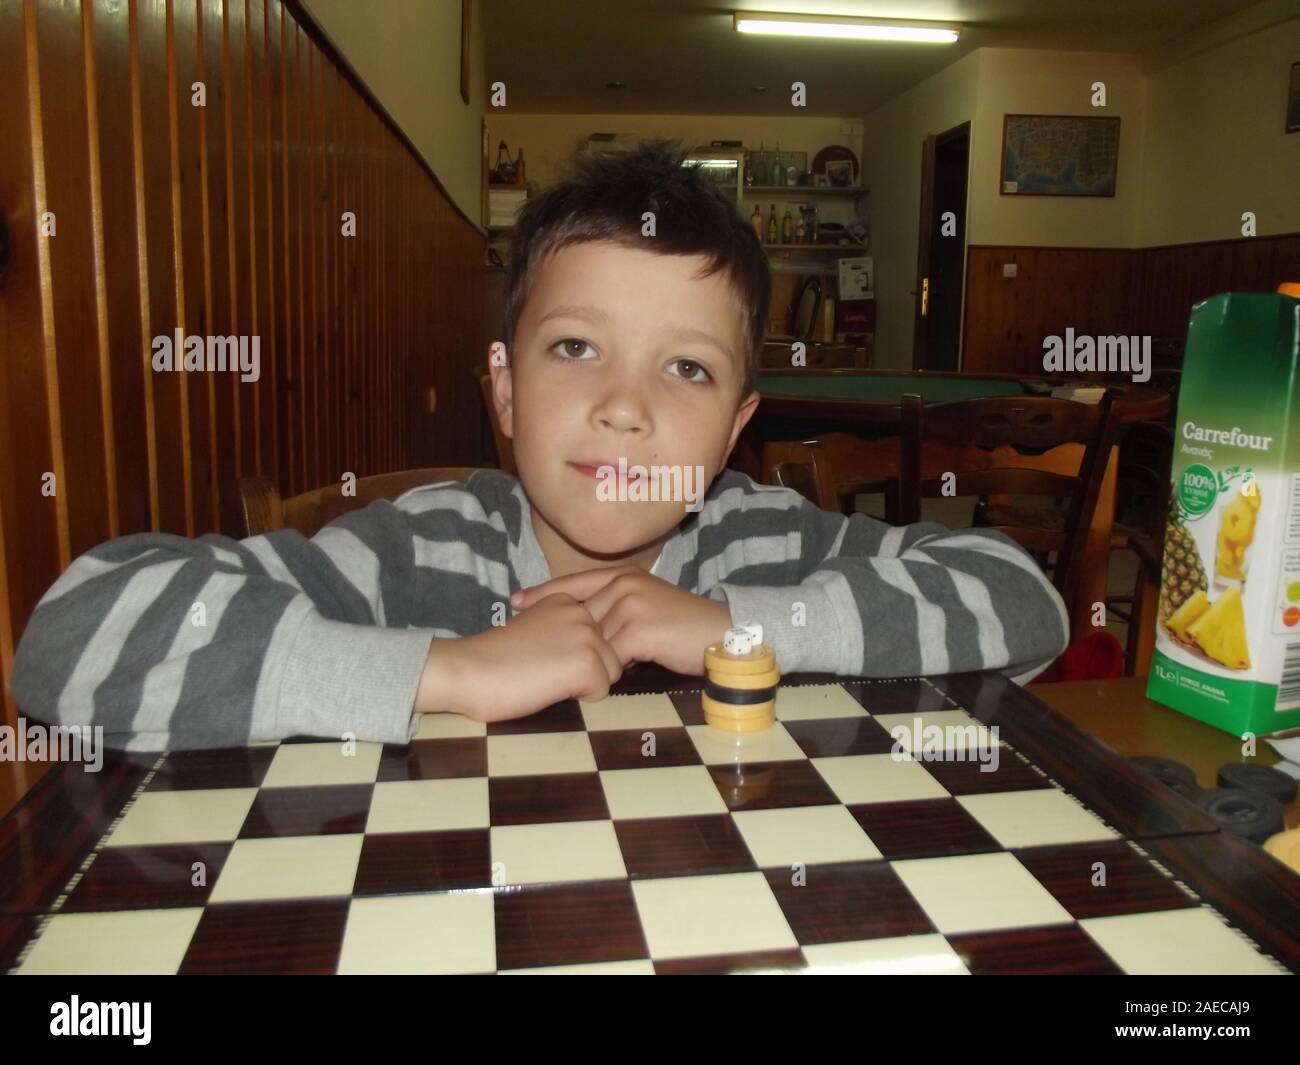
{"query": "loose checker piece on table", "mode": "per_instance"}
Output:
(628, 835)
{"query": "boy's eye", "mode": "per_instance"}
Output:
(692, 371)
(567, 353)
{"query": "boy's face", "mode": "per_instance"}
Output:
(605, 367)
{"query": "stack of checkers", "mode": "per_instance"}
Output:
(740, 689)
(1248, 802)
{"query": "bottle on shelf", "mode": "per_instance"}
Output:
(787, 228)
(776, 173)
(504, 170)
(520, 178)
(756, 223)
(799, 230)
(772, 230)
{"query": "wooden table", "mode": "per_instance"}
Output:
(1118, 713)
(628, 836)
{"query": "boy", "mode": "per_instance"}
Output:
(634, 317)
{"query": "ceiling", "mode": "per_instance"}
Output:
(684, 57)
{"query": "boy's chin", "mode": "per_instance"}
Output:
(622, 528)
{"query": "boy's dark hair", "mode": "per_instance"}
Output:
(602, 197)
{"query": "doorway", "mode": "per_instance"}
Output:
(941, 249)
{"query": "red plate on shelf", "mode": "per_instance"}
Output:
(834, 153)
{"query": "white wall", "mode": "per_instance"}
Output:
(892, 139)
(1216, 142)
(1023, 81)
(408, 54)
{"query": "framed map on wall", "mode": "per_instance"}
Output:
(1059, 155)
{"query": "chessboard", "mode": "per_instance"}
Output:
(946, 825)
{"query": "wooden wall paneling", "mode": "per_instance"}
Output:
(295, 198)
(405, 308)
(1253, 264)
(383, 274)
(240, 253)
(443, 356)
(127, 349)
(30, 552)
(377, 296)
(365, 292)
(333, 253)
(100, 221)
(216, 220)
(1286, 259)
(274, 339)
(76, 372)
(347, 296)
(256, 87)
(218, 270)
(309, 68)
(187, 258)
(164, 396)
(334, 245)
(361, 293)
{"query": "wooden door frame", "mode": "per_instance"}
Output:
(925, 234)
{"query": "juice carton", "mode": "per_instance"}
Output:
(1228, 624)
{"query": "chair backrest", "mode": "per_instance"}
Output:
(842, 465)
(505, 452)
(1018, 422)
(801, 476)
(265, 511)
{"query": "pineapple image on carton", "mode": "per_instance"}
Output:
(1183, 573)
(1227, 648)
(1236, 531)
(1221, 631)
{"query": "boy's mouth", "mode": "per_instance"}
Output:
(592, 469)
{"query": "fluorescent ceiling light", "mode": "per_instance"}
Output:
(857, 29)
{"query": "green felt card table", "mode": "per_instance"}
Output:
(866, 396)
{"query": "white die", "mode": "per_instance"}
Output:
(742, 639)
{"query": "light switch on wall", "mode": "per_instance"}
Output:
(1009, 269)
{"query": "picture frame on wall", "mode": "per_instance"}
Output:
(466, 11)
(839, 173)
(1059, 155)
(1293, 100)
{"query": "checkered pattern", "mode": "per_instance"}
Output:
(628, 836)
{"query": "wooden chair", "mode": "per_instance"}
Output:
(1017, 422)
(505, 452)
(839, 464)
(1146, 541)
(801, 476)
(265, 511)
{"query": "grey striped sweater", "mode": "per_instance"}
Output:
(328, 635)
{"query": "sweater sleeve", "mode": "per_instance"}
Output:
(875, 600)
(169, 643)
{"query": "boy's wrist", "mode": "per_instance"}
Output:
(442, 680)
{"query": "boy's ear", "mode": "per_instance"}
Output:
(502, 387)
(743, 413)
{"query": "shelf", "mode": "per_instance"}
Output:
(810, 190)
(816, 247)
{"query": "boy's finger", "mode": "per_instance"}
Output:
(579, 585)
